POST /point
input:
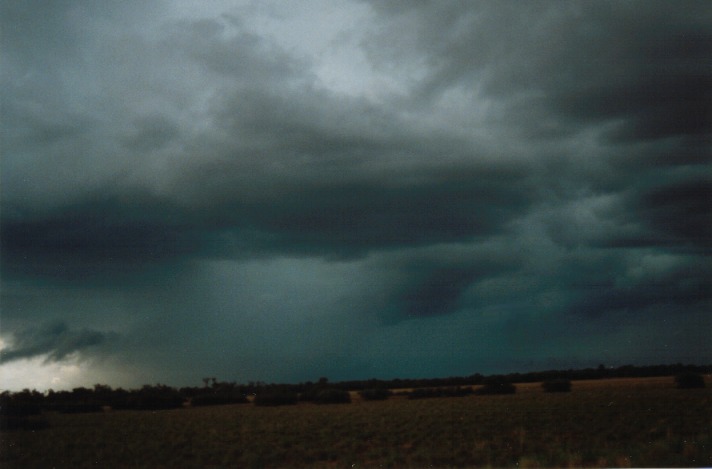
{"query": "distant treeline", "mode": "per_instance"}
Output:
(600, 372)
(214, 392)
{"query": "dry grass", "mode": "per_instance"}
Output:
(629, 422)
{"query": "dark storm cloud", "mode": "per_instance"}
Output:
(611, 300)
(283, 167)
(434, 280)
(686, 285)
(680, 212)
(511, 167)
(638, 65)
(437, 293)
(54, 340)
(151, 133)
(245, 57)
(328, 185)
(332, 220)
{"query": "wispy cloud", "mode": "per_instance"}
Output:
(54, 340)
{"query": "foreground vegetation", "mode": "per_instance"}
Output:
(614, 422)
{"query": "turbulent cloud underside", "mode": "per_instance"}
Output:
(354, 189)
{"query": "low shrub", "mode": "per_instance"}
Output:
(309, 394)
(80, 407)
(276, 398)
(375, 394)
(14, 408)
(18, 414)
(426, 393)
(158, 402)
(218, 399)
(496, 385)
(423, 393)
(689, 381)
(557, 385)
(149, 398)
(332, 396)
(462, 391)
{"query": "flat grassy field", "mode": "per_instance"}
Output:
(625, 422)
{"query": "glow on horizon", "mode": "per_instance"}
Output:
(36, 373)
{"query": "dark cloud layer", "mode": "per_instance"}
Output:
(54, 340)
(503, 171)
(680, 212)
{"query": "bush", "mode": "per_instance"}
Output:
(557, 385)
(16, 408)
(309, 394)
(158, 402)
(157, 397)
(461, 391)
(427, 393)
(17, 413)
(375, 394)
(218, 399)
(79, 407)
(496, 385)
(689, 381)
(276, 398)
(332, 396)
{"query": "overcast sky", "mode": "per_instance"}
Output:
(279, 191)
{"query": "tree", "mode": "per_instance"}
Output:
(375, 394)
(497, 385)
(557, 385)
(332, 396)
(689, 381)
(276, 397)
